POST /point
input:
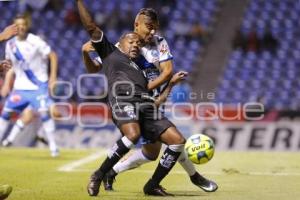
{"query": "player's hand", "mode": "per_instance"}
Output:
(87, 47)
(178, 77)
(52, 85)
(5, 65)
(9, 31)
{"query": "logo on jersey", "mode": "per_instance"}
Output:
(163, 49)
(15, 98)
(132, 64)
(155, 53)
(130, 111)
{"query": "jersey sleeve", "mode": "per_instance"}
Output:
(103, 47)
(164, 51)
(43, 47)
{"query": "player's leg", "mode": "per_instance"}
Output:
(175, 146)
(11, 106)
(131, 134)
(41, 102)
(149, 152)
(55, 114)
(4, 123)
(25, 119)
(195, 177)
(5, 191)
(49, 129)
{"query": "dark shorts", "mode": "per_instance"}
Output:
(152, 121)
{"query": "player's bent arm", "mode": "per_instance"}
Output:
(8, 32)
(176, 78)
(53, 68)
(90, 65)
(8, 82)
(165, 75)
(88, 23)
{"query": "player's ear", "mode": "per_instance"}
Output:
(136, 24)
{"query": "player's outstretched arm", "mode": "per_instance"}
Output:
(90, 65)
(176, 78)
(88, 23)
(8, 32)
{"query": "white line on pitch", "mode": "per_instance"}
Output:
(206, 173)
(75, 164)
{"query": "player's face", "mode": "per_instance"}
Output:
(146, 28)
(22, 26)
(130, 45)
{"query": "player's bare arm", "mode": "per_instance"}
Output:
(165, 75)
(53, 69)
(176, 78)
(88, 23)
(8, 32)
(8, 82)
(90, 65)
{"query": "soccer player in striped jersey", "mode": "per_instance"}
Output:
(29, 55)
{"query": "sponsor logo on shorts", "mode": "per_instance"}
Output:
(15, 98)
(130, 111)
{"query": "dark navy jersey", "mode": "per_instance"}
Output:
(118, 68)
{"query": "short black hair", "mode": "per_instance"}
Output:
(149, 12)
(124, 35)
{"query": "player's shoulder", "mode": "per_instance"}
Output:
(35, 38)
(32, 37)
(159, 39)
(11, 40)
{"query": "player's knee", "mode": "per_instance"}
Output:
(151, 151)
(55, 113)
(133, 136)
(27, 117)
(179, 139)
(150, 155)
(173, 136)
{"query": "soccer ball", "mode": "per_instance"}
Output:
(199, 148)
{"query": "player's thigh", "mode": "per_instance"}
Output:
(172, 136)
(15, 102)
(27, 116)
(131, 130)
(151, 150)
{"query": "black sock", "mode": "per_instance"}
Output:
(118, 151)
(165, 165)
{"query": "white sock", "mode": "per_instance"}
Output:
(18, 127)
(3, 124)
(187, 165)
(49, 128)
(133, 161)
(40, 132)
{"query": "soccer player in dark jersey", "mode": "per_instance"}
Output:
(131, 111)
(156, 62)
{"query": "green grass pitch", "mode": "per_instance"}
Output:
(34, 175)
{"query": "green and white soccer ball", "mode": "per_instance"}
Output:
(199, 148)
